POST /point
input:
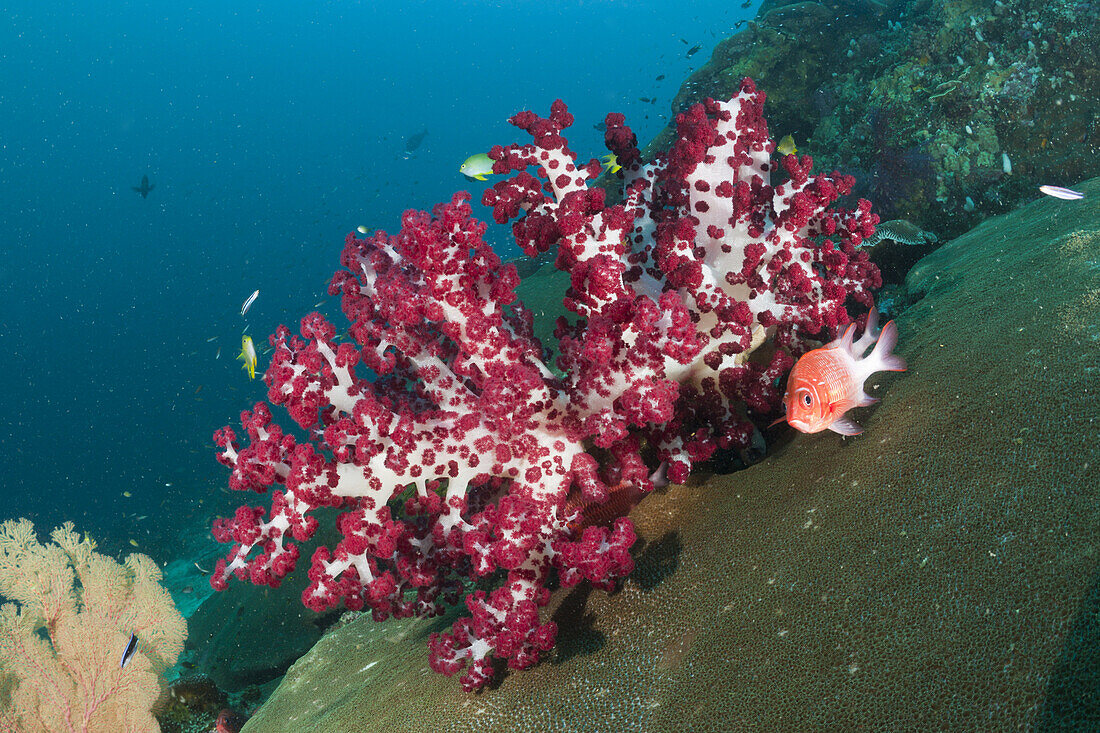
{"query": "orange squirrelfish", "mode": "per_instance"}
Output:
(827, 382)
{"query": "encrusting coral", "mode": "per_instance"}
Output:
(63, 635)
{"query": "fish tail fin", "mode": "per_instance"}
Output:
(882, 358)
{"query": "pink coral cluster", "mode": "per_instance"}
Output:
(453, 448)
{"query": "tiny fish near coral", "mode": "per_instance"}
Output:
(1058, 192)
(248, 356)
(128, 652)
(249, 301)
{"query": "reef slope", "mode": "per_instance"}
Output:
(938, 571)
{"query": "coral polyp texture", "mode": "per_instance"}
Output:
(456, 451)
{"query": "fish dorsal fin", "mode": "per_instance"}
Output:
(844, 340)
(870, 334)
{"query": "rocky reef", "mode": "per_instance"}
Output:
(948, 111)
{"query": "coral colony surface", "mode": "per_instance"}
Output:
(452, 447)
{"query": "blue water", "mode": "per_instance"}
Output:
(270, 130)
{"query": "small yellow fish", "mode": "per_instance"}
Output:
(248, 356)
(134, 543)
(362, 229)
(786, 146)
(611, 163)
(126, 494)
(477, 166)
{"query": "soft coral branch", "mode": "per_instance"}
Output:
(454, 450)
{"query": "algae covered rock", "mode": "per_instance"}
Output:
(936, 572)
(945, 111)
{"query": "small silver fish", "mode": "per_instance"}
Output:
(128, 652)
(1061, 193)
(249, 301)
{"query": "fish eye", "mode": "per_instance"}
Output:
(807, 400)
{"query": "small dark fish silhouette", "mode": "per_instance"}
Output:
(413, 141)
(128, 652)
(601, 126)
(660, 76)
(145, 187)
(747, 4)
(647, 100)
(684, 41)
(693, 50)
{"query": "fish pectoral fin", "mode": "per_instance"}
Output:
(845, 426)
